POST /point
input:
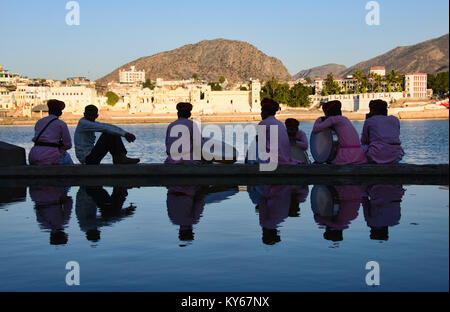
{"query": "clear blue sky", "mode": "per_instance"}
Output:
(35, 40)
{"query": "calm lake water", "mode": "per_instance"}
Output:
(424, 142)
(247, 238)
(240, 238)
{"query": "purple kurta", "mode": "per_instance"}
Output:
(182, 206)
(382, 207)
(284, 145)
(382, 135)
(188, 157)
(274, 205)
(349, 149)
(56, 132)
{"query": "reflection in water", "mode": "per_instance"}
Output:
(111, 209)
(381, 204)
(335, 207)
(53, 209)
(274, 204)
(10, 195)
(185, 206)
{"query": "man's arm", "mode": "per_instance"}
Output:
(89, 126)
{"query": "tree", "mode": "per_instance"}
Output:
(439, 82)
(308, 80)
(149, 84)
(243, 88)
(331, 86)
(361, 81)
(222, 79)
(282, 93)
(112, 98)
(393, 80)
(268, 90)
(215, 86)
(299, 96)
(195, 77)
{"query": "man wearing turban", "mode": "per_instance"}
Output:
(269, 108)
(183, 155)
(349, 148)
(381, 135)
(52, 138)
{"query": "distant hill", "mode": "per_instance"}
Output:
(237, 61)
(320, 71)
(429, 57)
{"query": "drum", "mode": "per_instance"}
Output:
(299, 154)
(324, 146)
(324, 201)
(226, 154)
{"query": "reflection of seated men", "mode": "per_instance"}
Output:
(381, 205)
(53, 208)
(185, 205)
(337, 212)
(275, 203)
(89, 198)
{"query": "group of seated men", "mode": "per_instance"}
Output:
(379, 141)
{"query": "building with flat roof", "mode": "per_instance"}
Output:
(379, 70)
(415, 85)
(131, 76)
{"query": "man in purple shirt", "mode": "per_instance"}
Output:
(381, 135)
(182, 155)
(52, 138)
(269, 108)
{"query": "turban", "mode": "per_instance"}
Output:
(331, 105)
(56, 105)
(291, 123)
(270, 104)
(183, 106)
(378, 105)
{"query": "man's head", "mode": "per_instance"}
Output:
(269, 107)
(55, 107)
(184, 109)
(91, 112)
(332, 108)
(378, 107)
(292, 125)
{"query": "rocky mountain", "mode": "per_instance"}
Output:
(429, 57)
(237, 61)
(320, 71)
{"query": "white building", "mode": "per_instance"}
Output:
(416, 85)
(7, 78)
(76, 98)
(131, 76)
(7, 100)
(379, 70)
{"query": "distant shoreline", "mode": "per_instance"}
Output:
(438, 114)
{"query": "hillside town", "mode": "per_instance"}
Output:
(134, 94)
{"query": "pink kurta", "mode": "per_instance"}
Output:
(56, 132)
(349, 149)
(301, 140)
(188, 158)
(284, 145)
(382, 135)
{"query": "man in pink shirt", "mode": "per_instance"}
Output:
(381, 135)
(349, 149)
(52, 138)
(268, 110)
(181, 156)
